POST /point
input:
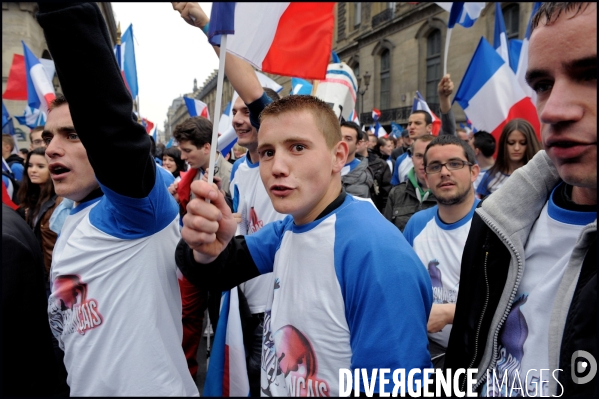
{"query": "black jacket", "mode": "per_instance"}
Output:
(493, 259)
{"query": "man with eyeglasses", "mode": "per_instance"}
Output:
(35, 136)
(438, 234)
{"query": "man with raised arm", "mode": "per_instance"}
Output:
(115, 306)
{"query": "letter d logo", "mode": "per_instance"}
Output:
(580, 366)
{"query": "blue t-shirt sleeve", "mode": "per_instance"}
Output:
(132, 218)
(417, 223)
(398, 161)
(264, 244)
(387, 294)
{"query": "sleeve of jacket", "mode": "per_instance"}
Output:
(385, 186)
(232, 267)
(100, 104)
(448, 123)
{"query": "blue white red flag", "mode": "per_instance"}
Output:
(300, 87)
(227, 372)
(500, 42)
(376, 114)
(490, 94)
(420, 104)
(148, 125)
(338, 89)
(523, 59)
(32, 117)
(126, 60)
(226, 133)
(353, 117)
(40, 91)
(196, 107)
(289, 39)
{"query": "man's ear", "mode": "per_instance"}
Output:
(339, 154)
(429, 128)
(475, 171)
(206, 147)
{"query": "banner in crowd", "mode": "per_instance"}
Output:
(196, 107)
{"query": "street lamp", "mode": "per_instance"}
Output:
(361, 91)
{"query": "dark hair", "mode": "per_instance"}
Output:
(160, 147)
(532, 144)
(324, 117)
(31, 196)
(550, 12)
(381, 142)
(24, 151)
(174, 153)
(36, 129)
(197, 130)
(427, 138)
(428, 119)
(152, 146)
(485, 142)
(353, 125)
(449, 139)
(57, 102)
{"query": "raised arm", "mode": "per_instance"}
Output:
(445, 89)
(100, 104)
(240, 73)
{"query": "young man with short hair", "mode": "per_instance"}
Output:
(526, 313)
(14, 161)
(333, 304)
(356, 177)
(412, 195)
(115, 306)
(420, 123)
(35, 138)
(438, 234)
(484, 147)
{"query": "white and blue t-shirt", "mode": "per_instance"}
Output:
(340, 299)
(524, 337)
(252, 201)
(440, 247)
(115, 304)
(348, 167)
(403, 164)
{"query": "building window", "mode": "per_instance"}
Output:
(433, 65)
(357, 14)
(385, 80)
(511, 16)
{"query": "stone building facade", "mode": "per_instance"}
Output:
(19, 23)
(401, 45)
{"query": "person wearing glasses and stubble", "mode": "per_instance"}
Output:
(438, 234)
(36, 138)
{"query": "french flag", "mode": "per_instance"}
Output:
(353, 117)
(148, 125)
(226, 133)
(420, 104)
(32, 117)
(125, 56)
(500, 35)
(289, 39)
(227, 372)
(40, 91)
(196, 107)
(490, 94)
(377, 129)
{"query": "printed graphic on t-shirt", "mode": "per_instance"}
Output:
(70, 310)
(440, 294)
(290, 363)
(511, 351)
(255, 223)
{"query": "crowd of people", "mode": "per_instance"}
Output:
(345, 250)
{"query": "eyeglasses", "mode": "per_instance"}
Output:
(38, 141)
(451, 165)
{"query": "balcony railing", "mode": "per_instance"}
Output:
(398, 115)
(382, 17)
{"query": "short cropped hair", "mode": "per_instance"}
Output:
(449, 139)
(323, 114)
(550, 12)
(354, 126)
(58, 101)
(8, 140)
(427, 117)
(485, 142)
(427, 138)
(197, 130)
(36, 129)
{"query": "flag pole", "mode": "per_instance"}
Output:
(217, 108)
(447, 38)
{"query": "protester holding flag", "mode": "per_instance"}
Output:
(518, 144)
(113, 262)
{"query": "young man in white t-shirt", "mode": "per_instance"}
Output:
(438, 234)
(337, 300)
(526, 313)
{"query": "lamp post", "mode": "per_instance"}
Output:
(361, 90)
